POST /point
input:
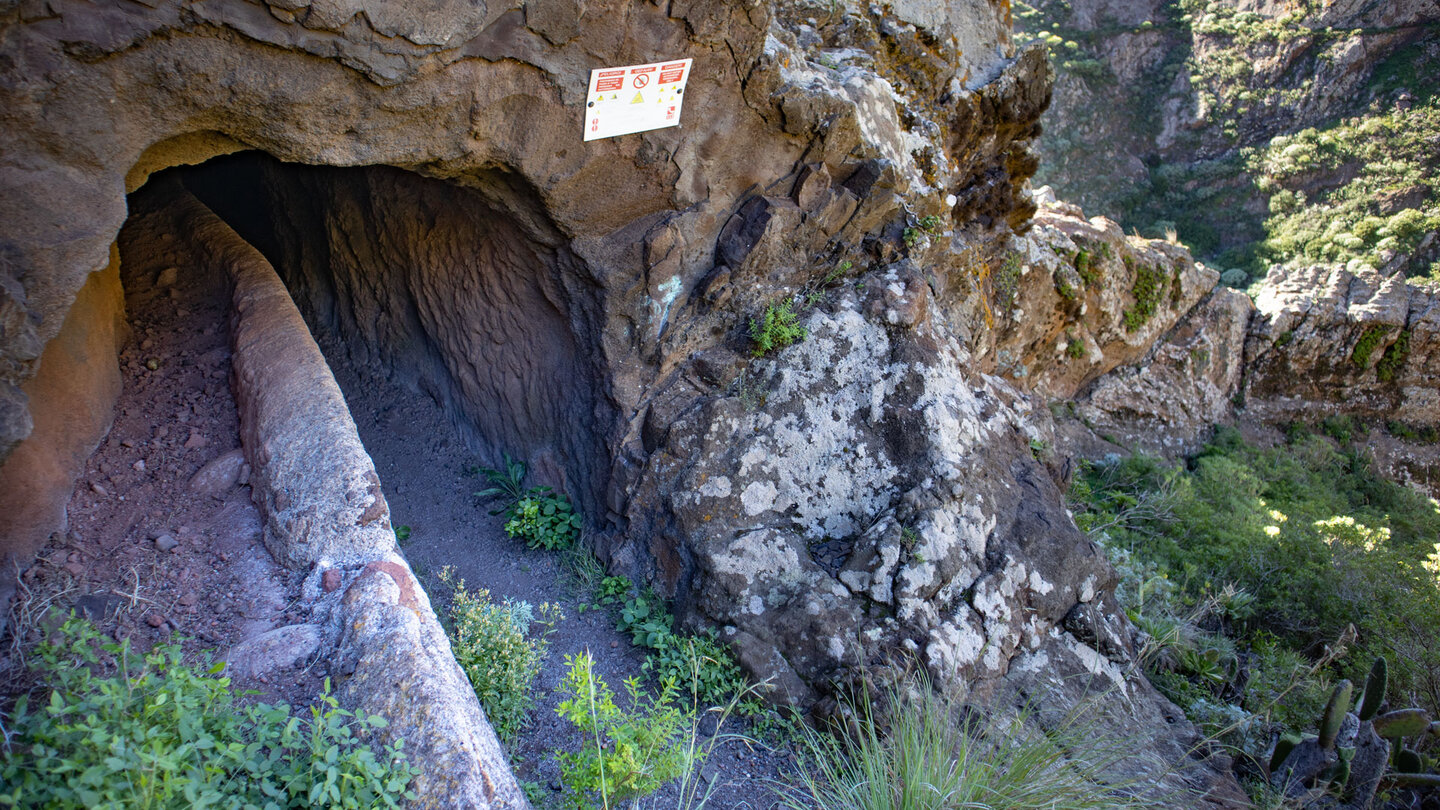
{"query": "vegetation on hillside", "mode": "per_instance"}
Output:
(1262, 575)
(1267, 167)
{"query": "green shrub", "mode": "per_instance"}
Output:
(1318, 539)
(538, 515)
(543, 520)
(628, 751)
(1148, 290)
(777, 328)
(698, 665)
(1367, 344)
(1393, 360)
(498, 652)
(160, 734)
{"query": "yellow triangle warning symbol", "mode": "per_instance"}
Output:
(638, 99)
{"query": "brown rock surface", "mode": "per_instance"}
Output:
(1331, 340)
(71, 399)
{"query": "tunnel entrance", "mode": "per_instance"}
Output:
(466, 294)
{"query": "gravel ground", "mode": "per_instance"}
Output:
(424, 465)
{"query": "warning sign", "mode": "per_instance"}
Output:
(609, 113)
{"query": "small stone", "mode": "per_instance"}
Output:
(126, 443)
(614, 645)
(162, 431)
(138, 466)
(219, 476)
(273, 651)
(166, 542)
(75, 568)
(196, 440)
(188, 598)
(330, 580)
(155, 620)
(153, 364)
(167, 277)
(99, 489)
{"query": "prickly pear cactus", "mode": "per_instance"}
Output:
(1353, 770)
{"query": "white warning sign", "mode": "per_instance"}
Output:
(635, 98)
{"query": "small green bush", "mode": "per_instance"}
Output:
(1085, 266)
(628, 751)
(498, 652)
(699, 665)
(1367, 344)
(1392, 362)
(538, 515)
(1148, 290)
(543, 520)
(777, 328)
(158, 733)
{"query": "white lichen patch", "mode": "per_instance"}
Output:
(717, 487)
(815, 454)
(955, 644)
(758, 497)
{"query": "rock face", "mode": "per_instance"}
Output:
(1334, 340)
(73, 396)
(867, 493)
(1085, 299)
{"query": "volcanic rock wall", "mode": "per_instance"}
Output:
(866, 495)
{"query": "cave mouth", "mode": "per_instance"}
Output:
(467, 294)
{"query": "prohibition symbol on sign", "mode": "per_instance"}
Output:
(652, 101)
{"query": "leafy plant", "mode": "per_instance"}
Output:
(700, 665)
(508, 484)
(495, 646)
(544, 520)
(158, 733)
(628, 751)
(777, 328)
(927, 226)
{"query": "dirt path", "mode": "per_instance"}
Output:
(164, 541)
(422, 463)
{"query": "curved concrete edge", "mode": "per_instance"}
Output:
(325, 512)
